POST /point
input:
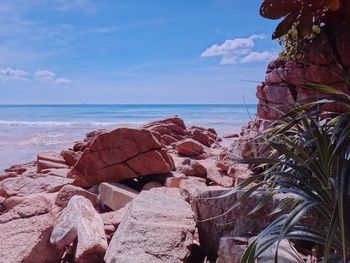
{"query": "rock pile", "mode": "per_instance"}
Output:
(117, 196)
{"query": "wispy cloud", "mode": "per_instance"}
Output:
(63, 81)
(44, 75)
(238, 50)
(47, 76)
(13, 74)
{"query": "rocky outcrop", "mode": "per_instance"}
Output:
(27, 241)
(141, 235)
(118, 155)
(173, 129)
(79, 220)
(284, 82)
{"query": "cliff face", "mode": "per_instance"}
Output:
(282, 87)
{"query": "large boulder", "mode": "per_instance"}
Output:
(121, 154)
(225, 221)
(158, 228)
(27, 241)
(80, 221)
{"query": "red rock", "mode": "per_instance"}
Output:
(203, 136)
(27, 241)
(190, 148)
(32, 184)
(110, 154)
(70, 157)
(21, 168)
(80, 221)
(190, 189)
(115, 195)
(175, 180)
(27, 208)
(219, 177)
(152, 162)
(44, 165)
(192, 168)
(51, 157)
(112, 220)
(168, 139)
(68, 191)
(61, 172)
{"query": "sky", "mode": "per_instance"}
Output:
(133, 51)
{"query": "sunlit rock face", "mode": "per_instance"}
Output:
(325, 62)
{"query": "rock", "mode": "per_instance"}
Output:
(149, 163)
(230, 250)
(70, 157)
(151, 185)
(189, 148)
(51, 157)
(31, 184)
(140, 237)
(112, 220)
(174, 179)
(27, 241)
(241, 224)
(115, 195)
(68, 191)
(119, 155)
(27, 208)
(80, 220)
(192, 168)
(61, 172)
(44, 165)
(230, 135)
(219, 177)
(286, 253)
(203, 136)
(190, 189)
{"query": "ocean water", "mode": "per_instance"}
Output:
(26, 130)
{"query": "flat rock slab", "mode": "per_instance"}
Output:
(33, 184)
(115, 195)
(158, 228)
(27, 241)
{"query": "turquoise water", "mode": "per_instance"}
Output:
(28, 129)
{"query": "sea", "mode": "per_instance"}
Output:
(26, 130)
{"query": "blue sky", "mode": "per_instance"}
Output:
(128, 51)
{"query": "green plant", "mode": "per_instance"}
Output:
(310, 159)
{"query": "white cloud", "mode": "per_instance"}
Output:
(238, 50)
(44, 75)
(63, 81)
(258, 56)
(13, 74)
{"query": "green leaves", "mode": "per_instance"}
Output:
(312, 166)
